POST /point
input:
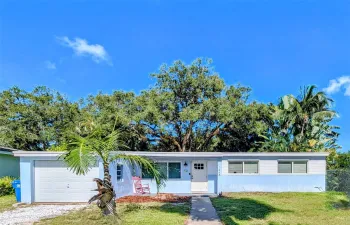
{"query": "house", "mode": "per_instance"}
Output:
(44, 178)
(9, 165)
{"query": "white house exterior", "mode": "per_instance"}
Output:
(44, 178)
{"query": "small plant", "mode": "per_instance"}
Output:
(6, 186)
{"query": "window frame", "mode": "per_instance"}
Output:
(292, 161)
(167, 170)
(243, 162)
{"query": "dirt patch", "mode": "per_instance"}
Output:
(157, 198)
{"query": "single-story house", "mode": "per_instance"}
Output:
(9, 165)
(44, 178)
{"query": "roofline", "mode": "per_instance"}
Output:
(180, 154)
(8, 149)
(5, 153)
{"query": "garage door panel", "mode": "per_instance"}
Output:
(55, 183)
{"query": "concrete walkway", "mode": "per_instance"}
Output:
(203, 212)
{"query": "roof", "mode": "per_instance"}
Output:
(7, 150)
(182, 154)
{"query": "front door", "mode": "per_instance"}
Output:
(199, 176)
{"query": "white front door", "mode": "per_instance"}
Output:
(199, 176)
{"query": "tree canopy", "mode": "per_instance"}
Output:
(189, 108)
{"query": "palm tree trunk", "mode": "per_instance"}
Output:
(106, 175)
(109, 206)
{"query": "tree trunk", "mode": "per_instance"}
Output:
(107, 204)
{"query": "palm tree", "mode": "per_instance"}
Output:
(306, 117)
(90, 143)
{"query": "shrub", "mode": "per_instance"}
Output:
(6, 186)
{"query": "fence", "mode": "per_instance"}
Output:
(338, 180)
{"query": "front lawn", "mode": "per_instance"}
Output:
(283, 208)
(129, 213)
(6, 202)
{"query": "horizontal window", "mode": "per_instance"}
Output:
(243, 167)
(292, 167)
(171, 170)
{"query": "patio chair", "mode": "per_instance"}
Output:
(140, 188)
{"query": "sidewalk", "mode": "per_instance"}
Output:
(203, 212)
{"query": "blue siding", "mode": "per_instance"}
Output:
(272, 183)
(212, 183)
(125, 186)
(27, 181)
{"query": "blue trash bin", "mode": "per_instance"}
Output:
(16, 184)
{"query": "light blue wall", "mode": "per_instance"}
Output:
(272, 183)
(125, 186)
(176, 186)
(9, 166)
(182, 185)
(27, 181)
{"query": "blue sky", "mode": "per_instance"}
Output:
(82, 47)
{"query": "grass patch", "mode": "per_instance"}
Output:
(6, 202)
(283, 208)
(129, 213)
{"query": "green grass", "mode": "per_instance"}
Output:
(283, 208)
(129, 214)
(6, 202)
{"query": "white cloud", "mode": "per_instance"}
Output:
(50, 65)
(81, 47)
(336, 84)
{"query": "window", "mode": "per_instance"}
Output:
(171, 170)
(250, 167)
(174, 170)
(199, 166)
(243, 167)
(119, 172)
(235, 167)
(292, 167)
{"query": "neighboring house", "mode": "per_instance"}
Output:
(9, 165)
(44, 178)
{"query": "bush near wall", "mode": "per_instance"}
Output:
(6, 186)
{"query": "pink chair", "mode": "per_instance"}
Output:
(140, 188)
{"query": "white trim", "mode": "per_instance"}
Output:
(183, 154)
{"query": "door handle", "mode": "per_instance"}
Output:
(67, 185)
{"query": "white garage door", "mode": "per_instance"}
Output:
(54, 182)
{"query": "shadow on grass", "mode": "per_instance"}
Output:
(179, 208)
(232, 209)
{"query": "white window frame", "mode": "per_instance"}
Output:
(292, 161)
(243, 173)
(167, 170)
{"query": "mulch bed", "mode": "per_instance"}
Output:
(157, 198)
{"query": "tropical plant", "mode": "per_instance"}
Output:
(302, 123)
(91, 143)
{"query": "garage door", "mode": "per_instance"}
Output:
(54, 182)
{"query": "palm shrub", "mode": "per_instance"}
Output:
(92, 142)
(302, 123)
(6, 185)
